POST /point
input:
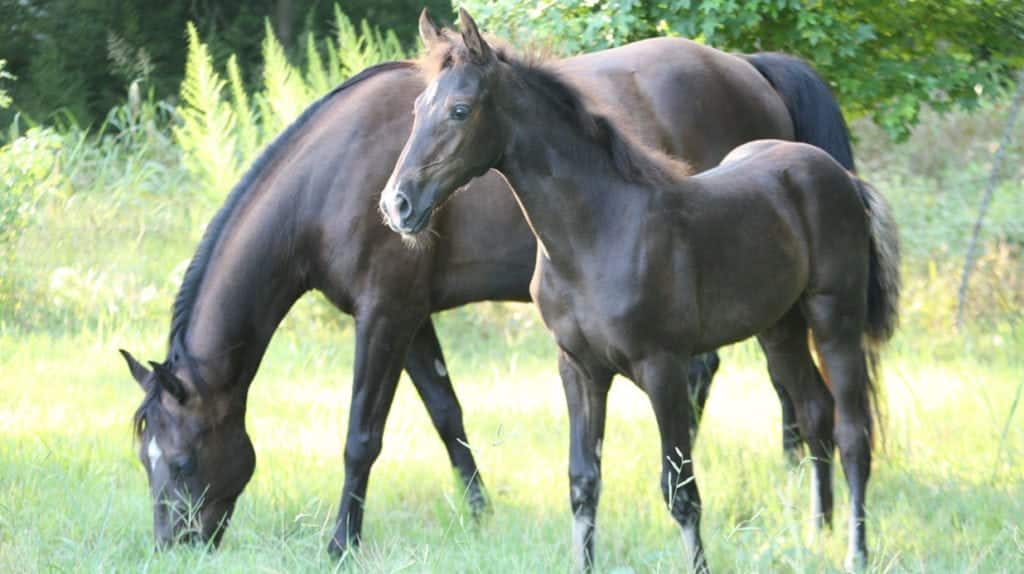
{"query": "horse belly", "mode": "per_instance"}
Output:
(750, 282)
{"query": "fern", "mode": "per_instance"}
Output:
(316, 75)
(248, 131)
(285, 94)
(220, 136)
(206, 133)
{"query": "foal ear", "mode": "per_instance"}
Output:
(139, 373)
(430, 32)
(472, 38)
(169, 382)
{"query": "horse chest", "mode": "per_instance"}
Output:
(598, 321)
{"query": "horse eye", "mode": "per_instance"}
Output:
(459, 112)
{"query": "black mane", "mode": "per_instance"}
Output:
(633, 160)
(189, 290)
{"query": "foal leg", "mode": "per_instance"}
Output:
(793, 371)
(792, 445)
(664, 379)
(426, 367)
(837, 327)
(381, 343)
(701, 372)
(587, 398)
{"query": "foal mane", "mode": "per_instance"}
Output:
(188, 292)
(631, 158)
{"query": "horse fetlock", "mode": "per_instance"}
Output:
(584, 492)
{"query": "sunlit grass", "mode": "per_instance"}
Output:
(947, 494)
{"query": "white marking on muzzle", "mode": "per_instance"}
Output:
(389, 205)
(154, 453)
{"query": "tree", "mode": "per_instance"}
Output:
(886, 59)
(76, 58)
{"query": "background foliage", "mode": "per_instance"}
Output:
(75, 58)
(884, 59)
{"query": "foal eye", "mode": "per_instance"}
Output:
(459, 112)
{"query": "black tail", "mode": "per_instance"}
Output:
(816, 116)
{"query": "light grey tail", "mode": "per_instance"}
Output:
(884, 280)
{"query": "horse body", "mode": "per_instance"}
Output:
(305, 217)
(664, 88)
(640, 265)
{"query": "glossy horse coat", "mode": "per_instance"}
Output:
(641, 266)
(305, 217)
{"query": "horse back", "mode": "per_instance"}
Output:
(687, 99)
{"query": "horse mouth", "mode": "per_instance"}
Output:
(416, 227)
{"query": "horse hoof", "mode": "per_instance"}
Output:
(856, 562)
(479, 505)
(340, 552)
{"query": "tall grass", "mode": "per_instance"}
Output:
(96, 226)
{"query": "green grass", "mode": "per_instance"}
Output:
(947, 493)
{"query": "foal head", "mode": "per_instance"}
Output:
(456, 134)
(195, 450)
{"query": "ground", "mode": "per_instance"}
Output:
(946, 494)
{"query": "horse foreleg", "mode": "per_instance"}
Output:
(587, 399)
(429, 373)
(381, 343)
(663, 378)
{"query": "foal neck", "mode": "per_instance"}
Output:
(576, 175)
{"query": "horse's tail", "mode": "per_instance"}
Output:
(816, 116)
(884, 280)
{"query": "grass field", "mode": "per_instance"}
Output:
(947, 493)
(102, 256)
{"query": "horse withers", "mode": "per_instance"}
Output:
(641, 265)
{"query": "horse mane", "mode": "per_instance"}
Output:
(185, 301)
(631, 158)
(188, 292)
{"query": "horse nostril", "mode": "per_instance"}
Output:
(403, 205)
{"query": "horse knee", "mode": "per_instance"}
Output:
(362, 450)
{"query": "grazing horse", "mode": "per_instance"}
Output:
(305, 217)
(641, 265)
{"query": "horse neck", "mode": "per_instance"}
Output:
(565, 183)
(254, 275)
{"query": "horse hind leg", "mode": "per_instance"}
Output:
(837, 325)
(427, 368)
(792, 370)
(701, 373)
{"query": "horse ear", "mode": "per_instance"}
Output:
(430, 32)
(139, 373)
(472, 38)
(169, 382)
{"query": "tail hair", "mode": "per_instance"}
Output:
(813, 109)
(884, 281)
